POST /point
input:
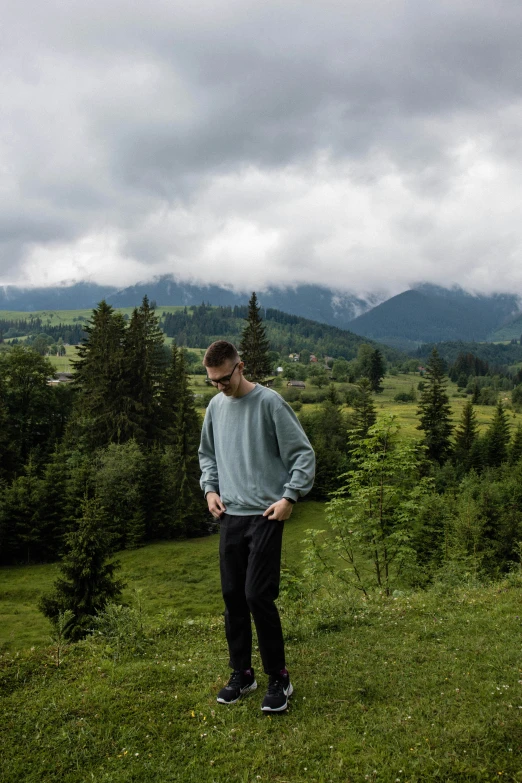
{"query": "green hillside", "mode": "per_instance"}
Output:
(431, 315)
(418, 688)
(197, 326)
(509, 331)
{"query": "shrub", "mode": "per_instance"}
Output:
(404, 397)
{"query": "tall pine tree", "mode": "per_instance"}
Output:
(100, 413)
(254, 347)
(144, 366)
(497, 438)
(515, 447)
(376, 371)
(466, 435)
(190, 511)
(365, 415)
(435, 411)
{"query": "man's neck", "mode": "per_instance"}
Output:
(244, 388)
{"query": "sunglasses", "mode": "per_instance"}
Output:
(225, 380)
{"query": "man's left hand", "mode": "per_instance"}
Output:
(280, 510)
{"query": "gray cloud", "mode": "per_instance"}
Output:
(361, 145)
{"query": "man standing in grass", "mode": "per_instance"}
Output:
(256, 461)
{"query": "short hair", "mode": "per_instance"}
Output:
(220, 352)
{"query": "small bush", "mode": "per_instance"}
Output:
(404, 397)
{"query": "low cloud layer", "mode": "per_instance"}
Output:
(363, 146)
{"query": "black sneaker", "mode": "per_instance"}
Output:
(239, 684)
(277, 694)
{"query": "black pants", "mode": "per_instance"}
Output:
(250, 562)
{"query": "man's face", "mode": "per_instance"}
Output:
(226, 377)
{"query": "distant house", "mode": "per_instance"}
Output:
(313, 358)
(60, 377)
(268, 382)
(294, 357)
(297, 384)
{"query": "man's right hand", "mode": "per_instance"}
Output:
(215, 504)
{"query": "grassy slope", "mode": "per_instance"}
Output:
(179, 576)
(423, 688)
(57, 317)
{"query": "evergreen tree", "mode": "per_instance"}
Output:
(157, 488)
(376, 371)
(88, 582)
(53, 510)
(144, 365)
(497, 438)
(327, 430)
(515, 447)
(435, 411)
(476, 394)
(170, 394)
(7, 447)
(190, 511)
(364, 408)
(20, 519)
(101, 412)
(28, 401)
(332, 395)
(254, 347)
(466, 435)
(117, 491)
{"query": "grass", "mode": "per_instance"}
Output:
(426, 687)
(68, 317)
(180, 576)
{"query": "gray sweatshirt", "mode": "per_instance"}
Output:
(254, 451)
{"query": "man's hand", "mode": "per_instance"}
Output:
(280, 510)
(215, 504)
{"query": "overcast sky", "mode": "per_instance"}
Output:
(363, 145)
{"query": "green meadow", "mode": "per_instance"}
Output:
(172, 576)
(423, 687)
(58, 317)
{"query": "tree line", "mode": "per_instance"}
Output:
(123, 435)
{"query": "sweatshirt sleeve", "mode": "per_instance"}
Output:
(296, 452)
(209, 481)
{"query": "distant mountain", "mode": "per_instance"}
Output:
(74, 297)
(509, 330)
(316, 303)
(429, 314)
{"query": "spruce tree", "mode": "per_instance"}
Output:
(254, 347)
(435, 411)
(144, 365)
(20, 518)
(515, 447)
(28, 402)
(376, 371)
(365, 415)
(100, 412)
(190, 511)
(88, 582)
(53, 510)
(328, 432)
(497, 438)
(466, 435)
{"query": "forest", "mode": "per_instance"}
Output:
(115, 452)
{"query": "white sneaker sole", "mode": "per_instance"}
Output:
(287, 693)
(244, 692)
